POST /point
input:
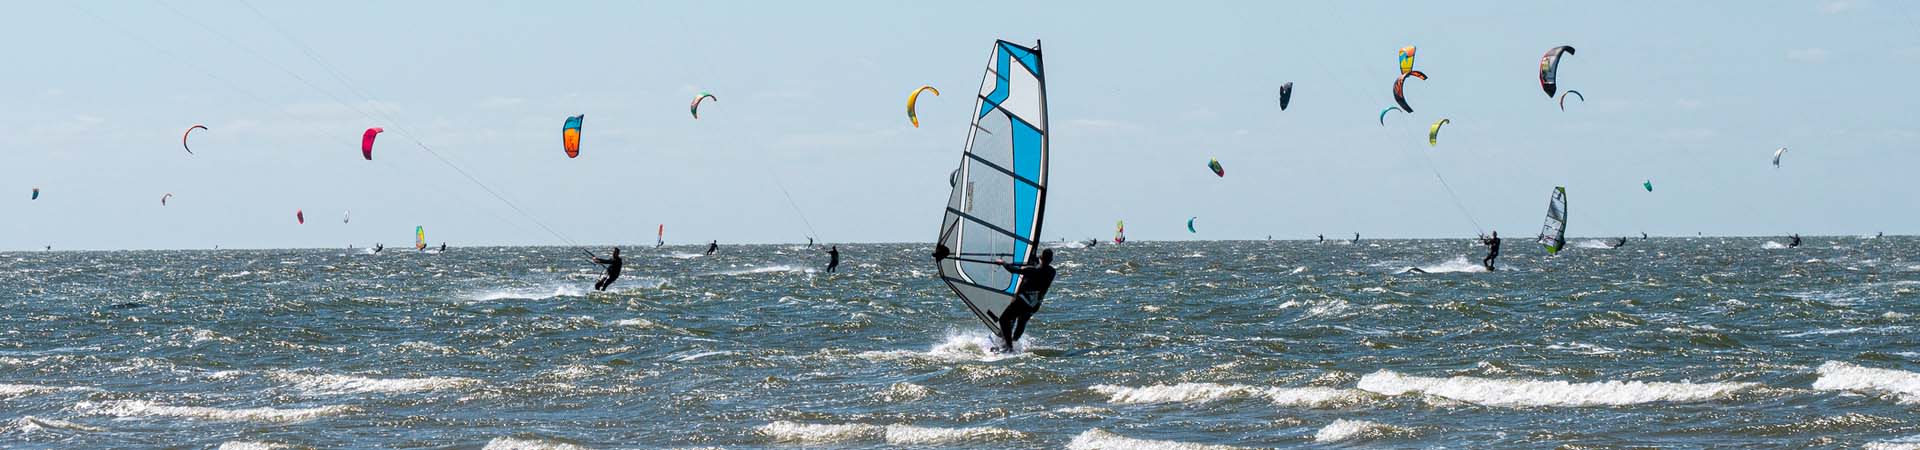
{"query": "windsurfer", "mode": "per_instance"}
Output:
(1034, 281)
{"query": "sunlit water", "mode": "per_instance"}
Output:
(1670, 342)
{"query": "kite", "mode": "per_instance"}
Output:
(183, 136)
(1406, 59)
(1550, 65)
(300, 216)
(163, 198)
(1563, 98)
(1217, 170)
(1648, 184)
(366, 142)
(1433, 134)
(1383, 114)
(913, 99)
(1286, 95)
(1399, 91)
(1190, 225)
(570, 135)
(695, 107)
(1776, 157)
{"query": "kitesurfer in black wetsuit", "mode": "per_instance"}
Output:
(1034, 281)
(613, 270)
(1643, 235)
(1493, 250)
(1621, 242)
(443, 247)
(1323, 238)
(713, 247)
(1356, 238)
(377, 247)
(833, 255)
(1794, 241)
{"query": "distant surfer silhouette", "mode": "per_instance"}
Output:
(1794, 240)
(613, 270)
(1493, 250)
(833, 255)
(1323, 238)
(1620, 242)
(1356, 238)
(713, 247)
(377, 247)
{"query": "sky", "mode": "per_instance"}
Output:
(809, 136)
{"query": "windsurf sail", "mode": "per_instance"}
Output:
(999, 194)
(660, 237)
(419, 238)
(1120, 232)
(1553, 235)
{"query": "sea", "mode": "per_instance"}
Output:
(1662, 343)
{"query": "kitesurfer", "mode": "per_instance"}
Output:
(713, 247)
(377, 247)
(1356, 238)
(809, 241)
(1034, 281)
(1617, 243)
(443, 247)
(1323, 238)
(1794, 240)
(1493, 250)
(833, 255)
(613, 270)
(1643, 235)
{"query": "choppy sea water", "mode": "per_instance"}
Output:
(1670, 342)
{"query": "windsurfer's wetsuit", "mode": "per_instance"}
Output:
(834, 262)
(613, 270)
(1034, 281)
(1493, 251)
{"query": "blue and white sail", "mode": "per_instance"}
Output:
(1553, 234)
(1000, 189)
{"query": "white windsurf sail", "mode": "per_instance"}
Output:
(1000, 189)
(1553, 235)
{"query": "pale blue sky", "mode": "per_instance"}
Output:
(1694, 95)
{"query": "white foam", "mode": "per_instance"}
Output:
(1771, 245)
(811, 433)
(1594, 243)
(250, 445)
(1098, 439)
(1348, 430)
(767, 269)
(903, 392)
(331, 384)
(534, 293)
(143, 408)
(1527, 393)
(1456, 265)
(1840, 376)
(16, 390)
(1900, 443)
(31, 424)
(912, 435)
(514, 443)
(1208, 392)
(968, 346)
(685, 255)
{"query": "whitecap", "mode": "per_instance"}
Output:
(1529, 393)
(1098, 439)
(1349, 430)
(143, 408)
(1840, 376)
(333, 384)
(514, 443)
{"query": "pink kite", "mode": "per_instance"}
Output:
(366, 142)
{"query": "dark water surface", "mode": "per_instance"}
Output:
(1669, 343)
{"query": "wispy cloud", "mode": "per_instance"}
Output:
(497, 102)
(1690, 134)
(1840, 6)
(1808, 55)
